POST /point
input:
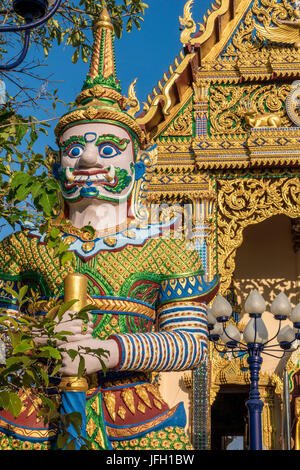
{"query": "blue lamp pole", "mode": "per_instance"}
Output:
(35, 14)
(255, 404)
(255, 343)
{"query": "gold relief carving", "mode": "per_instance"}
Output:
(91, 427)
(110, 241)
(141, 407)
(201, 89)
(128, 398)
(110, 403)
(242, 41)
(88, 246)
(91, 113)
(69, 240)
(254, 119)
(182, 124)
(245, 201)
(297, 416)
(73, 384)
(132, 430)
(142, 393)
(269, 146)
(154, 390)
(187, 23)
(99, 439)
(98, 91)
(293, 366)
(219, 8)
(227, 106)
(157, 404)
(259, 18)
(122, 412)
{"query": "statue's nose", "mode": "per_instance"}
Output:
(89, 159)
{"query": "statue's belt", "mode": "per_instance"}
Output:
(118, 306)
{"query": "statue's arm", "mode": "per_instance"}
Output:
(181, 340)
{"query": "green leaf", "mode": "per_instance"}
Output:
(21, 131)
(47, 202)
(23, 346)
(54, 232)
(55, 370)
(19, 178)
(4, 399)
(36, 189)
(15, 404)
(44, 376)
(81, 367)
(53, 353)
(75, 56)
(22, 360)
(72, 353)
(65, 307)
(71, 445)
(22, 292)
(22, 192)
(62, 439)
(66, 257)
(89, 229)
(12, 292)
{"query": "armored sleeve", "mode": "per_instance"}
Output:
(180, 339)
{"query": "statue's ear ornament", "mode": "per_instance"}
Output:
(144, 166)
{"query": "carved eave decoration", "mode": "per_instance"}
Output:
(178, 188)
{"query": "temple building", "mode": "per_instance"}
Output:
(226, 126)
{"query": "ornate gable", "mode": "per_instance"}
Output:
(232, 92)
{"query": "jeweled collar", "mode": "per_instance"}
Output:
(86, 246)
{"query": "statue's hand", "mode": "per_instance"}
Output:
(92, 363)
(77, 328)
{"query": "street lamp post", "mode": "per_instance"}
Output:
(255, 342)
(35, 14)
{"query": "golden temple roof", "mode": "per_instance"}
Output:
(243, 62)
(206, 44)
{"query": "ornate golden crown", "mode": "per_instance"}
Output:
(101, 98)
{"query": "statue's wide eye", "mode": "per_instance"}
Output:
(108, 151)
(75, 151)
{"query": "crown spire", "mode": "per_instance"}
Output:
(103, 68)
(100, 98)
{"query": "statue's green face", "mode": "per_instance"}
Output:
(97, 161)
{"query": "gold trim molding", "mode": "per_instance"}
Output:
(246, 201)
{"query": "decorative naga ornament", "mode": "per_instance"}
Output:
(132, 101)
(189, 34)
(288, 32)
(188, 25)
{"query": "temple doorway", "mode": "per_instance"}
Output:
(229, 417)
(269, 260)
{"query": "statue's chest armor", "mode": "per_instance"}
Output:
(124, 284)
